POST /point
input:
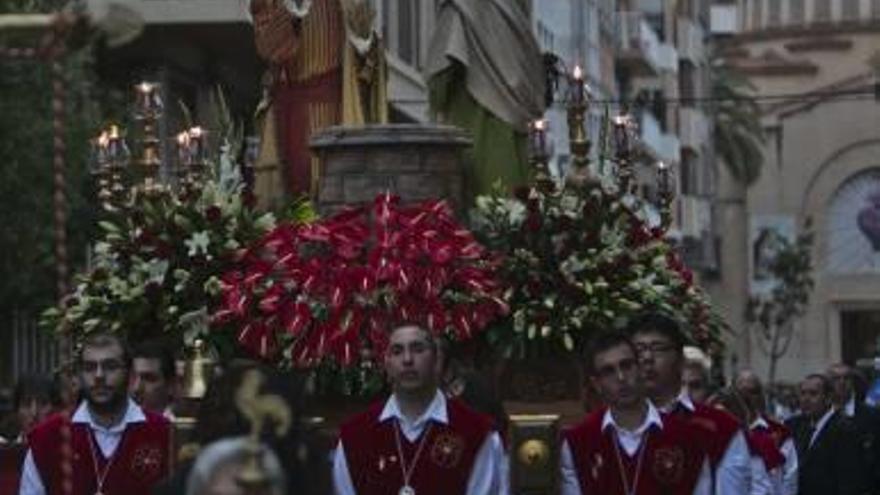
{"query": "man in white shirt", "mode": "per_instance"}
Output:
(628, 448)
(417, 441)
(751, 389)
(153, 378)
(660, 345)
(108, 444)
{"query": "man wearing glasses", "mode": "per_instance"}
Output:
(628, 447)
(109, 445)
(660, 345)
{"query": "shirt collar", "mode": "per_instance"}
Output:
(824, 419)
(436, 411)
(133, 414)
(759, 423)
(849, 408)
(683, 400)
(652, 418)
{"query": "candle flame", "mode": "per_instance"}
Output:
(114, 132)
(196, 132)
(578, 73)
(540, 124)
(103, 139)
(182, 138)
(145, 87)
(621, 119)
(663, 166)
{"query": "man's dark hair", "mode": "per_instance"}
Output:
(826, 383)
(602, 342)
(104, 340)
(37, 387)
(153, 349)
(658, 323)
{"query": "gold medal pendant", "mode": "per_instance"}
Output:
(404, 490)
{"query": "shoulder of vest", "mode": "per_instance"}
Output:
(591, 423)
(458, 411)
(724, 422)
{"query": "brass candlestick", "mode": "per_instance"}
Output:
(665, 195)
(148, 111)
(579, 143)
(624, 128)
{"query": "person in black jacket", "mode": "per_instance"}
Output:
(830, 461)
(849, 398)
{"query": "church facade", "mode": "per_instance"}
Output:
(816, 66)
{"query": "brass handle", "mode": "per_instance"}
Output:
(533, 453)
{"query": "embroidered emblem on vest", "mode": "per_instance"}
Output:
(596, 467)
(147, 462)
(668, 465)
(447, 450)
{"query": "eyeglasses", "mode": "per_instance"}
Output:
(653, 347)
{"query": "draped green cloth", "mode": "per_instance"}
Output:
(485, 74)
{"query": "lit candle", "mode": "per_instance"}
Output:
(196, 146)
(578, 83)
(622, 127)
(113, 145)
(148, 97)
(663, 172)
(183, 148)
(539, 137)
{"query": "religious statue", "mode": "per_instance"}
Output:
(326, 67)
(485, 74)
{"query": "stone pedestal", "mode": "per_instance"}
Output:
(413, 161)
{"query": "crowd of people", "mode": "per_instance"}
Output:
(660, 429)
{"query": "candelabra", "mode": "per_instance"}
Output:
(624, 131)
(111, 155)
(579, 142)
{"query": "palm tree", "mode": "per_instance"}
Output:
(738, 136)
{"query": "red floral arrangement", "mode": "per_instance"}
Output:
(330, 290)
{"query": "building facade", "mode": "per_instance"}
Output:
(815, 66)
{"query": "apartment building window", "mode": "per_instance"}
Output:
(687, 82)
(408, 22)
(774, 13)
(821, 10)
(850, 10)
(757, 13)
(796, 12)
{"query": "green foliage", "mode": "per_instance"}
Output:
(738, 136)
(772, 315)
(27, 273)
(579, 259)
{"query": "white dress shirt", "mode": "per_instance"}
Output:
(820, 425)
(107, 438)
(790, 468)
(761, 482)
(630, 441)
(734, 470)
(486, 477)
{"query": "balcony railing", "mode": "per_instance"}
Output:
(660, 145)
(637, 43)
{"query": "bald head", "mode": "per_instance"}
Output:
(749, 387)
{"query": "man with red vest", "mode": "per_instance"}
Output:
(628, 447)
(108, 445)
(749, 386)
(417, 441)
(660, 344)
